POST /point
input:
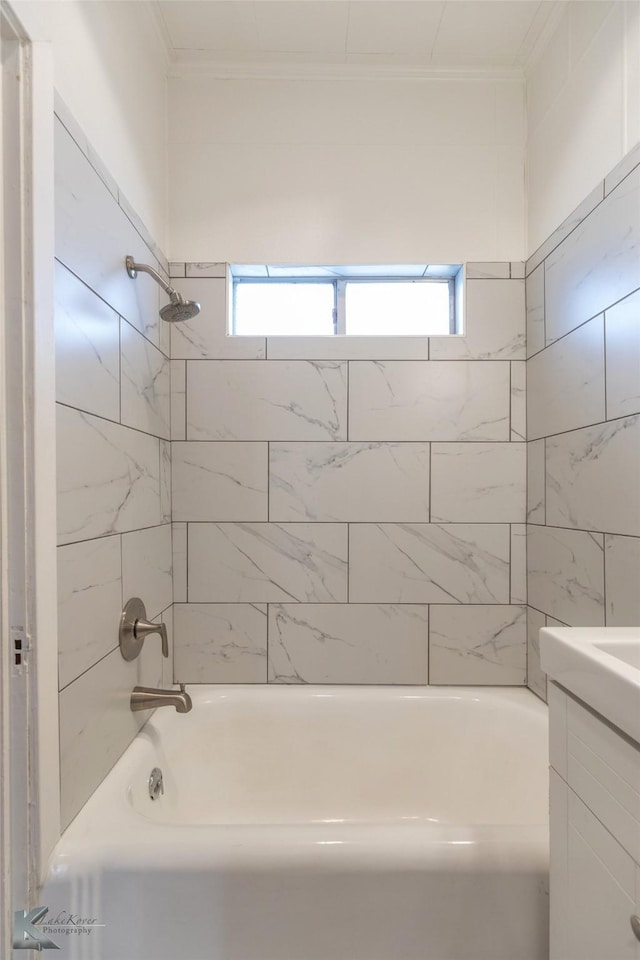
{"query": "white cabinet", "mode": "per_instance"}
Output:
(595, 835)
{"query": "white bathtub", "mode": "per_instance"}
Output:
(318, 823)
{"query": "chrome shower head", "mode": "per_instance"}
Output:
(179, 309)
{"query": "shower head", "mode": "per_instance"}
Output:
(179, 309)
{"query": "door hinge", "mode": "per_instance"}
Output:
(20, 646)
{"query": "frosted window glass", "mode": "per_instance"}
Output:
(397, 309)
(284, 309)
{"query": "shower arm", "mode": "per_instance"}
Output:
(133, 269)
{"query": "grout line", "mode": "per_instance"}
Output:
(116, 423)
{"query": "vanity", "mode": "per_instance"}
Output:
(594, 731)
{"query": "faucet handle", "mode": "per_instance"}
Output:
(142, 629)
(134, 627)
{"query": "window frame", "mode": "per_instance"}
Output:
(339, 284)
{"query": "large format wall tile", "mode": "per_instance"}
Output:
(535, 311)
(593, 478)
(96, 724)
(348, 643)
(428, 563)
(536, 497)
(219, 481)
(478, 482)
(262, 562)
(622, 326)
(277, 400)
(566, 382)
(87, 335)
(179, 542)
(405, 400)
(483, 645)
(622, 580)
(518, 400)
(145, 384)
(178, 399)
(89, 604)
(598, 264)
(536, 677)
(147, 569)
(566, 575)
(221, 643)
(205, 337)
(108, 477)
(518, 563)
(494, 325)
(93, 236)
(348, 348)
(349, 481)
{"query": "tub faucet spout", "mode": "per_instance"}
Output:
(147, 698)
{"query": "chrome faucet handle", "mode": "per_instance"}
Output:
(134, 627)
(142, 629)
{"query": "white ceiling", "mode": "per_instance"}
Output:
(427, 34)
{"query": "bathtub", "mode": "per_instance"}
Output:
(317, 823)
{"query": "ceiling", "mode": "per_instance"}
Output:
(411, 34)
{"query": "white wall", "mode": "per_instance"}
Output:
(583, 109)
(345, 170)
(110, 70)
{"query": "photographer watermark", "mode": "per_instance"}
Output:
(31, 931)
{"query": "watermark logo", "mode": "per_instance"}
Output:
(31, 930)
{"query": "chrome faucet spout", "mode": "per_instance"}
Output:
(147, 698)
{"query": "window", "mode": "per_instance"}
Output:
(344, 301)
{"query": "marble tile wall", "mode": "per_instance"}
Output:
(583, 417)
(350, 510)
(114, 470)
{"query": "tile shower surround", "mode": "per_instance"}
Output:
(350, 511)
(583, 410)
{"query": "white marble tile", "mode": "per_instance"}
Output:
(566, 382)
(567, 226)
(518, 563)
(517, 269)
(518, 400)
(428, 563)
(628, 163)
(147, 569)
(536, 496)
(97, 725)
(535, 311)
(145, 384)
(622, 580)
(494, 324)
(178, 399)
(87, 335)
(593, 478)
(108, 477)
(205, 337)
(165, 481)
(274, 400)
(478, 482)
(598, 265)
(348, 348)
(404, 400)
(536, 677)
(267, 562)
(89, 604)
(93, 236)
(166, 679)
(177, 270)
(477, 645)
(220, 481)
(206, 269)
(566, 574)
(622, 334)
(179, 537)
(333, 481)
(487, 270)
(348, 643)
(221, 643)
